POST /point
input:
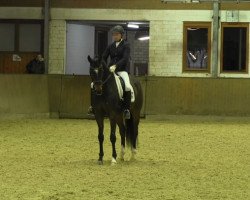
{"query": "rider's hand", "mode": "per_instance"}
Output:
(112, 68)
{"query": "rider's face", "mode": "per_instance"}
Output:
(117, 37)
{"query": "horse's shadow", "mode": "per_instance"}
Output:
(126, 162)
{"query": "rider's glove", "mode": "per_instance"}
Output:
(112, 68)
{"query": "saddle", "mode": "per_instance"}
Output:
(121, 88)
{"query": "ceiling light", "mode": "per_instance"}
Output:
(133, 26)
(192, 29)
(144, 38)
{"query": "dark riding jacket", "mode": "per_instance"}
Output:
(119, 55)
(35, 67)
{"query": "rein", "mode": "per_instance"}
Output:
(105, 81)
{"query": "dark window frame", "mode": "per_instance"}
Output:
(97, 47)
(235, 25)
(186, 25)
(17, 25)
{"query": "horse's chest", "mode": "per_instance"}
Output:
(104, 105)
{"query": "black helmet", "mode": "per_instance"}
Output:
(118, 29)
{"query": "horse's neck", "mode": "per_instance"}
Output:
(109, 79)
(110, 85)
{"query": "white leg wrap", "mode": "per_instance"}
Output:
(122, 152)
(113, 161)
(134, 152)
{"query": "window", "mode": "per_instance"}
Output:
(7, 35)
(101, 41)
(234, 47)
(196, 46)
(30, 37)
(17, 36)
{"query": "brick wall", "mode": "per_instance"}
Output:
(140, 53)
(165, 52)
(57, 47)
(139, 49)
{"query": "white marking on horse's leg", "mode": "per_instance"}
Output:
(122, 153)
(134, 152)
(113, 161)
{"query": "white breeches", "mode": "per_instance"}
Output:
(126, 80)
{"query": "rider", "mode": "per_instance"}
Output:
(119, 53)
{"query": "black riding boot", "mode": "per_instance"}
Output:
(127, 102)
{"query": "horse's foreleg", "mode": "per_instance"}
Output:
(122, 133)
(100, 123)
(113, 140)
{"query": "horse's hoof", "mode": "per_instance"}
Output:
(133, 156)
(100, 162)
(134, 151)
(113, 161)
(122, 157)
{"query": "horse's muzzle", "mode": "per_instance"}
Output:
(98, 89)
(98, 93)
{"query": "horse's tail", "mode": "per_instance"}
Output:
(130, 131)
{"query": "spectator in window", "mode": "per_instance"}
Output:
(36, 66)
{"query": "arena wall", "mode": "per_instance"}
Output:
(24, 95)
(68, 96)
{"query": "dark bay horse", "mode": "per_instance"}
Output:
(106, 102)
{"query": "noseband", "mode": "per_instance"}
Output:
(101, 83)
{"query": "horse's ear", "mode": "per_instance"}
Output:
(90, 59)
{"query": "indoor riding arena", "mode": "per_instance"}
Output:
(188, 58)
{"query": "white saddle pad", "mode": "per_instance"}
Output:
(120, 89)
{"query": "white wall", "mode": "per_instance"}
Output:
(80, 44)
(21, 13)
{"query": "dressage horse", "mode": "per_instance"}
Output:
(106, 101)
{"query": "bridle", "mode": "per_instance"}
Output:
(100, 82)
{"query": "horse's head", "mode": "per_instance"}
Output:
(96, 71)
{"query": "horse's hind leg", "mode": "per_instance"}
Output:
(100, 122)
(135, 135)
(113, 140)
